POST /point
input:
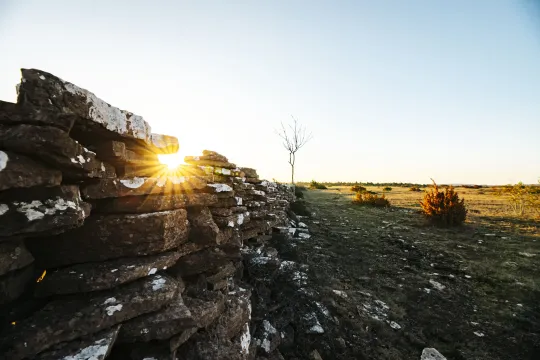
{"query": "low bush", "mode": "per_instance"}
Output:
(317, 185)
(388, 188)
(299, 191)
(443, 207)
(365, 198)
(414, 188)
(357, 188)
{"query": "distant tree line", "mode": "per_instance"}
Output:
(344, 183)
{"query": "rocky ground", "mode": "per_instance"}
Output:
(363, 283)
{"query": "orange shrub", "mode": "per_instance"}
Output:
(443, 207)
(357, 188)
(365, 198)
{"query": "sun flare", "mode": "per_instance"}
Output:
(171, 160)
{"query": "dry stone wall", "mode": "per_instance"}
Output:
(104, 252)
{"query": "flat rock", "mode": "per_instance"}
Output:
(233, 220)
(252, 173)
(431, 354)
(237, 313)
(39, 211)
(105, 237)
(163, 324)
(17, 171)
(70, 318)
(207, 308)
(39, 89)
(142, 170)
(203, 228)
(14, 283)
(52, 146)
(152, 203)
(13, 114)
(94, 347)
(137, 186)
(201, 261)
(220, 173)
(206, 162)
(13, 256)
(102, 275)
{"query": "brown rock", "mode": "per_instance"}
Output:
(13, 256)
(250, 173)
(54, 147)
(93, 347)
(39, 211)
(204, 260)
(163, 324)
(17, 171)
(218, 164)
(206, 309)
(236, 314)
(221, 273)
(233, 220)
(203, 228)
(137, 186)
(68, 319)
(103, 275)
(153, 203)
(104, 237)
(155, 169)
(14, 283)
(12, 114)
(181, 338)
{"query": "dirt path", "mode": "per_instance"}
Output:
(397, 285)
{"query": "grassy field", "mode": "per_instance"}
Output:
(472, 292)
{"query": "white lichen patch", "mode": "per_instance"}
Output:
(226, 171)
(340, 293)
(323, 309)
(437, 285)
(158, 283)
(303, 235)
(96, 351)
(113, 308)
(245, 339)
(230, 224)
(313, 324)
(110, 300)
(134, 183)
(394, 325)
(240, 219)
(302, 225)
(258, 192)
(479, 334)
(3, 160)
(221, 187)
(114, 270)
(3, 209)
(81, 159)
(238, 201)
(378, 310)
(112, 118)
(152, 271)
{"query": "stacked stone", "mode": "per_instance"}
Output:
(106, 253)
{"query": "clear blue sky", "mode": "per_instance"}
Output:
(392, 90)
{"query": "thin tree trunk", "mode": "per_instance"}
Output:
(292, 174)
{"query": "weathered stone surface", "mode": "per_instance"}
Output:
(12, 114)
(152, 203)
(163, 324)
(207, 308)
(137, 186)
(221, 211)
(95, 116)
(267, 338)
(102, 275)
(220, 174)
(250, 173)
(93, 347)
(204, 260)
(142, 170)
(54, 147)
(68, 319)
(17, 171)
(162, 144)
(13, 284)
(220, 273)
(233, 220)
(431, 354)
(13, 256)
(104, 237)
(228, 202)
(203, 228)
(205, 345)
(177, 340)
(37, 211)
(213, 163)
(237, 313)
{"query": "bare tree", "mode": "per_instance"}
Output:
(294, 137)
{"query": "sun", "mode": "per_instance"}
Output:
(171, 160)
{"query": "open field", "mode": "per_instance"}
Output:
(472, 292)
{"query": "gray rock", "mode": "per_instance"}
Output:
(13, 256)
(94, 347)
(14, 283)
(163, 324)
(153, 203)
(431, 354)
(102, 275)
(204, 260)
(70, 318)
(41, 211)
(206, 308)
(139, 186)
(17, 171)
(13, 114)
(105, 237)
(54, 147)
